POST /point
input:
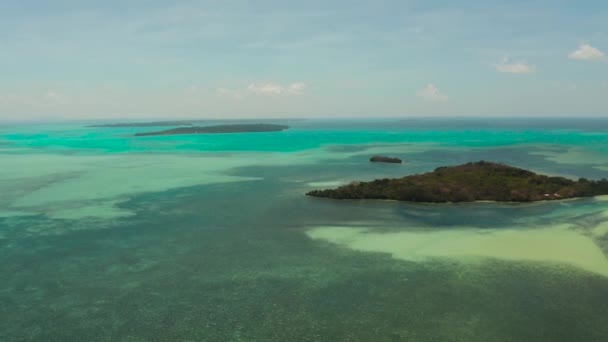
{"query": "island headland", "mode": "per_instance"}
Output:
(219, 129)
(478, 181)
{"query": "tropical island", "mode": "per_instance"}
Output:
(479, 181)
(144, 124)
(219, 129)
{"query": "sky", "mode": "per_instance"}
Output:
(78, 59)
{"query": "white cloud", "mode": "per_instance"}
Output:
(265, 89)
(262, 89)
(587, 52)
(515, 67)
(296, 88)
(225, 92)
(432, 93)
(274, 89)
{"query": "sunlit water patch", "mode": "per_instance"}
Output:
(555, 245)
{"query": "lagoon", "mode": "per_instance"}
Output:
(104, 236)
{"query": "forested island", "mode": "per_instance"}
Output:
(236, 128)
(144, 124)
(479, 181)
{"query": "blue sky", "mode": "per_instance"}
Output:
(241, 59)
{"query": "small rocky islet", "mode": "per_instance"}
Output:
(383, 159)
(475, 181)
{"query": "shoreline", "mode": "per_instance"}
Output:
(572, 199)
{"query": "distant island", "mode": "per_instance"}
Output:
(145, 124)
(479, 181)
(382, 159)
(237, 128)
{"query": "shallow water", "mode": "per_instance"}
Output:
(209, 238)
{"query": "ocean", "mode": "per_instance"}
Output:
(109, 237)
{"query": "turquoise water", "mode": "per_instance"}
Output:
(107, 237)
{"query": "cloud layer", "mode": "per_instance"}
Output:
(263, 89)
(273, 89)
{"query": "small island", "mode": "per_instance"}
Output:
(382, 159)
(479, 181)
(144, 124)
(219, 129)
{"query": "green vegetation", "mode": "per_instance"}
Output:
(480, 181)
(239, 128)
